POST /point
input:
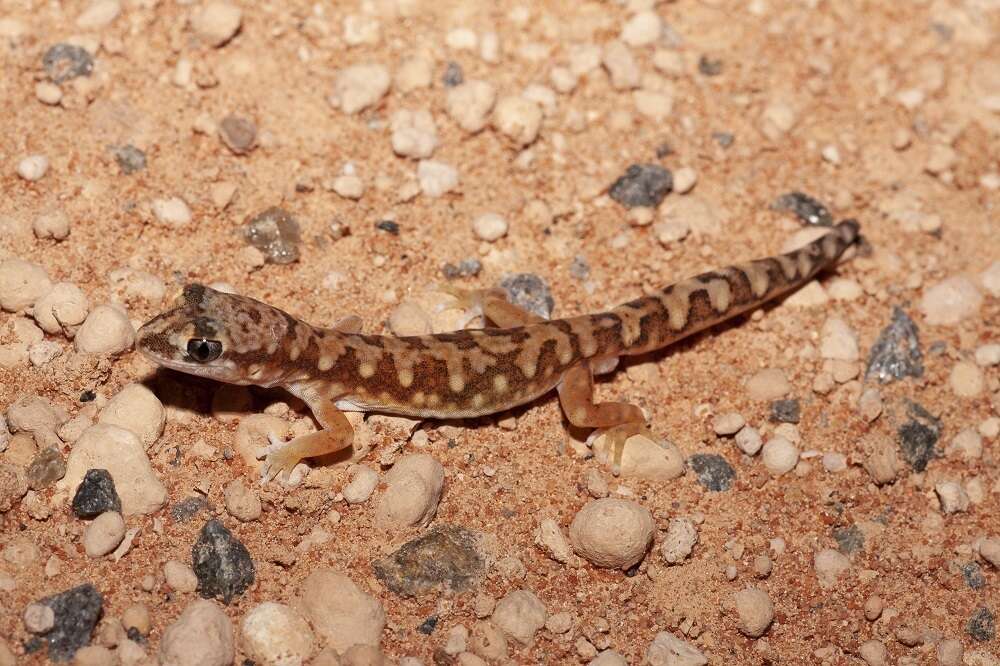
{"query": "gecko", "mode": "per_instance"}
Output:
(472, 372)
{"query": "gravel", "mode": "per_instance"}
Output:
(643, 185)
(76, 613)
(918, 437)
(850, 539)
(982, 625)
(129, 158)
(612, 533)
(806, 208)
(275, 232)
(896, 353)
(221, 562)
(63, 62)
(96, 494)
(785, 411)
(445, 555)
(713, 472)
(239, 134)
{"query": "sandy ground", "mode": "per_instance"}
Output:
(886, 113)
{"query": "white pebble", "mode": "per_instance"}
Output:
(413, 490)
(966, 380)
(544, 96)
(341, 613)
(362, 484)
(870, 404)
(179, 576)
(413, 133)
(362, 29)
(241, 502)
(129, 283)
(991, 278)
(563, 80)
(52, 224)
(436, 178)
(217, 22)
(276, 634)
(107, 330)
(99, 14)
(834, 462)
(360, 86)
(844, 289)
(49, 93)
(349, 187)
(461, 39)
(780, 456)
(874, 653)
(470, 103)
(612, 533)
(172, 212)
(518, 118)
(768, 384)
(201, 636)
(44, 352)
(684, 180)
(33, 167)
(749, 441)
(669, 62)
(520, 614)
(38, 618)
(671, 231)
(621, 65)
(642, 29)
(990, 427)
(643, 458)
(839, 341)
(830, 564)
(103, 534)
(968, 443)
(414, 73)
(754, 610)
(552, 540)
(584, 58)
(653, 104)
(987, 355)
(489, 47)
(777, 119)
(489, 227)
(949, 302)
(22, 283)
(679, 541)
(137, 409)
(669, 650)
(952, 496)
(728, 424)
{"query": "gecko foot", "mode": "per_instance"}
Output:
(280, 457)
(615, 438)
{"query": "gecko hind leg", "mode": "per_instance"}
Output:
(336, 435)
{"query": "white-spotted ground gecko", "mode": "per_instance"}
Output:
(466, 373)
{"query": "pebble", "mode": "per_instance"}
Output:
(241, 502)
(834, 462)
(988, 355)
(201, 636)
(542, 95)
(669, 650)
(882, 463)
(414, 73)
(96, 495)
(221, 562)
(748, 440)
(349, 187)
(52, 224)
(768, 385)
(519, 614)
(952, 496)
(137, 617)
(528, 291)
(21, 552)
(33, 167)
(518, 119)
(754, 610)
(844, 289)
(98, 14)
(966, 380)
(642, 185)
(968, 443)
(874, 653)
(38, 416)
(777, 119)
(679, 541)
(989, 428)
(991, 278)
(621, 65)
(409, 318)
(642, 29)
(363, 480)
(612, 533)
(63, 62)
(275, 232)
(46, 468)
(121, 453)
(989, 548)
(172, 212)
(728, 424)
(341, 613)
(608, 658)
(238, 134)
(361, 29)
(414, 133)
(103, 534)
(180, 577)
(488, 642)
(217, 22)
(137, 409)
(76, 613)
(436, 178)
(713, 472)
(779, 456)
(489, 227)
(685, 179)
(873, 608)
(896, 353)
(951, 301)
(444, 556)
(470, 103)
(644, 458)
(559, 623)
(13, 486)
(38, 618)
(413, 490)
(98, 655)
(22, 284)
(830, 564)
(982, 625)
(130, 159)
(48, 93)
(839, 341)
(950, 652)
(671, 231)
(786, 411)
(106, 330)
(870, 404)
(360, 86)
(653, 104)
(276, 634)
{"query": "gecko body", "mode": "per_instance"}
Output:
(465, 373)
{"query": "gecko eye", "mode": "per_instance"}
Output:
(203, 350)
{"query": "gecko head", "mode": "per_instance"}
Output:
(213, 334)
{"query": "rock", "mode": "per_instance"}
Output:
(201, 636)
(608, 658)
(61, 309)
(613, 533)
(38, 618)
(520, 614)
(120, 452)
(51, 225)
(13, 486)
(679, 541)
(643, 458)
(99, 14)
(882, 464)
(172, 213)
(668, 650)
(130, 159)
(98, 655)
(275, 232)
(275, 634)
(949, 302)
(489, 227)
(968, 443)
(238, 134)
(360, 86)
(137, 617)
(551, 539)
(76, 613)
(436, 178)
(777, 119)
(47, 468)
(241, 502)
(990, 550)
(470, 103)
(413, 490)
(780, 456)
(874, 653)
(413, 133)
(643, 185)
(363, 480)
(748, 440)
(838, 341)
(621, 65)
(982, 625)
(488, 641)
(22, 283)
(918, 437)
(830, 564)
(713, 471)
(448, 556)
(754, 610)
(107, 330)
(966, 380)
(849, 539)
(952, 496)
(785, 411)
(870, 404)
(216, 23)
(518, 119)
(33, 167)
(643, 29)
(808, 209)
(341, 613)
(96, 494)
(104, 534)
(991, 278)
(972, 573)
(988, 355)
(63, 62)
(221, 562)
(180, 577)
(528, 291)
(135, 408)
(950, 652)
(729, 423)
(768, 385)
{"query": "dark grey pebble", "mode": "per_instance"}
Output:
(239, 134)
(275, 232)
(850, 539)
(982, 625)
(96, 494)
(446, 556)
(642, 185)
(130, 159)
(973, 575)
(712, 471)
(465, 268)
(188, 508)
(806, 208)
(709, 66)
(530, 292)
(63, 62)
(427, 626)
(47, 468)
(221, 562)
(918, 437)
(453, 75)
(77, 611)
(785, 411)
(724, 139)
(896, 352)
(388, 226)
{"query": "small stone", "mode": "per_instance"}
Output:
(991, 278)
(520, 614)
(488, 641)
(180, 577)
(201, 636)
(241, 502)
(445, 555)
(363, 480)
(882, 464)
(671, 231)
(48, 93)
(106, 331)
(362, 29)
(950, 652)
(342, 614)
(519, 119)
(830, 564)
(870, 404)
(137, 617)
(728, 424)
(490, 227)
(951, 301)
(414, 133)
(643, 185)
(653, 104)
(96, 495)
(221, 562)
(276, 634)
(748, 440)
(642, 29)
(873, 608)
(360, 86)
(966, 380)
(838, 341)
(768, 385)
(61, 309)
(47, 468)
(785, 411)
(172, 212)
(780, 456)
(33, 167)
(968, 443)
(409, 318)
(99, 14)
(470, 103)
(414, 73)
(972, 573)
(684, 180)
(952, 496)
(104, 534)
(217, 23)
(130, 159)
(714, 473)
(896, 352)
(137, 409)
(76, 612)
(806, 208)
(53, 224)
(988, 355)
(13, 486)
(349, 187)
(990, 550)
(552, 540)
(918, 438)
(275, 232)
(668, 650)
(413, 490)
(612, 533)
(238, 134)
(849, 539)
(982, 625)
(63, 62)
(528, 291)
(777, 119)
(436, 178)
(621, 65)
(38, 618)
(679, 541)
(754, 610)
(874, 653)
(643, 457)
